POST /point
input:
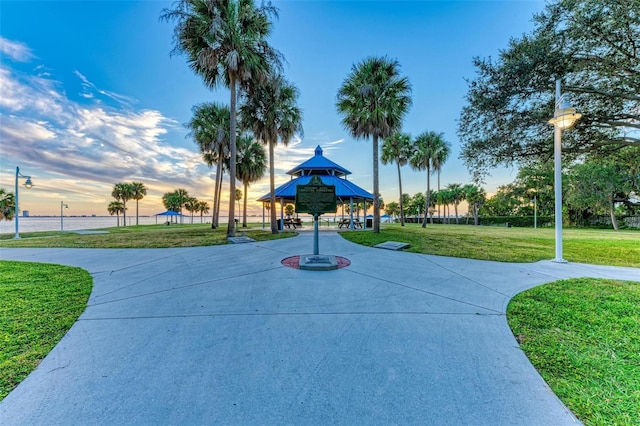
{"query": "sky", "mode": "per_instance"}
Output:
(90, 94)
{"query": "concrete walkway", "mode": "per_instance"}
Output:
(227, 335)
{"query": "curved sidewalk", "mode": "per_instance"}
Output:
(228, 335)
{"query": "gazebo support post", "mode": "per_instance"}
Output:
(351, 224)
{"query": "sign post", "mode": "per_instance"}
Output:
(316, 198)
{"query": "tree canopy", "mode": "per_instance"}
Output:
(593, 46)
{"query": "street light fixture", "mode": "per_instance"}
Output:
(27, 185)
(564, 117)
(66, 206)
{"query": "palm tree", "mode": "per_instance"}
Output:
(123, 192)
(271, 112)
(441, 155)
(7, 205)
(226, 43)
(475, 197)
(457, 195)
(397, 148)
(138, 191)
(426, 145)
(445, 197)
(183, 195)
(209, 128)
(374, 99)
(116, 207)
(252, 165)
(192, 205)
(203, 208)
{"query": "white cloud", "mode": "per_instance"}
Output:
(15, 50)
(89, 142)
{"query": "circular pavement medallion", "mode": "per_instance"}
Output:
(294, 262)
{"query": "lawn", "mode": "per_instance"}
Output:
(595, 246)
(141, 236)
(38, 305)
(583, 336)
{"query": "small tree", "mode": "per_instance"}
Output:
(116, 207)
(203, 208)
(594, 187)
(192, 205)
(7, 205)
(289, 209)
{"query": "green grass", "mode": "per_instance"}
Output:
(583, 336)
(594, 246)
(142, 236)
(38, 304)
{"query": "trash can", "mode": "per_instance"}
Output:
(369, 222)
(279, 222)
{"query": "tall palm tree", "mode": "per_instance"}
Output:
(427, 146)
(138, 191)
(271, 112)
(373, 100)
(123, 192)
(115, 207)
(397, 148)
(457, 195)
(203, 208)
(252, 165)
(442, 152)
(7, 205)
(225, 42)
(209, 128)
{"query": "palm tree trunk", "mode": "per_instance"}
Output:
(124, 212)
(272, 189)
(219, 192)
(244, 209)
(136, 211)
(216, 195)
(400, 185)
(232, 157)
(376, 189)
(439, 215)
(426, 202)
(455, 206)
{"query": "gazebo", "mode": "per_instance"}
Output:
(330, 173)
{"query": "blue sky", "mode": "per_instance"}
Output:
(90, 96)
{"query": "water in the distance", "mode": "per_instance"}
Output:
(50, 223)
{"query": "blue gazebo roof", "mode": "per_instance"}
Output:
(318, 165)
(330, 173)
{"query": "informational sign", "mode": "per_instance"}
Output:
(316, 198)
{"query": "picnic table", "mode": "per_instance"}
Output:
(289, 222)
(346, 222)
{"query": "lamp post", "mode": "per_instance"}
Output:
(66, 206)
(27, 185)
(564, 117)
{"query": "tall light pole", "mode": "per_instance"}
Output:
(564, 117)
(28, 185)
(66, 206)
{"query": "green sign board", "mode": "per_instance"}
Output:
(316, 198)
